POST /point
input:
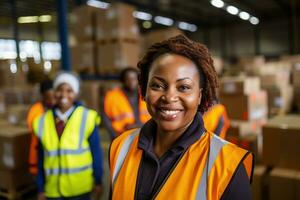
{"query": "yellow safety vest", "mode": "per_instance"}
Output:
(120, 112)
(68, 160)
(211, 119)
(203, 172)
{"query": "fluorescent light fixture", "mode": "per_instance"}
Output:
(13, 68)
(28, 19)
(217, 3)
(98, 4)
(164, 20)
(45, 18)
(232, 10)
(147, 24)
(254, 20)
(244, 15)
(187, 26)
(142, 15)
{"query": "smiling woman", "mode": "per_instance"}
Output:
(173, 156)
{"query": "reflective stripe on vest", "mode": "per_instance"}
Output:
(122, 155)
(214, 150)
(67, 151)
(58, 171)
(193, 177)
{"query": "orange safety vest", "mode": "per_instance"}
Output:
(203, 172)
(211, 119)
(35, 111)
(120, 112)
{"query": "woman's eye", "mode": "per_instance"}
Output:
(184, 88)
(156, 86)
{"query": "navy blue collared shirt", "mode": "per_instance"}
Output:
(153, 171)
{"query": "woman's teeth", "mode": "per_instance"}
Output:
(64, 101)
(170, 112)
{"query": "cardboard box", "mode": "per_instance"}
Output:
(11, 74)
(113, 57)
(90, 94)
(296, 98)
(17, 114)
(281, 136)
(159, 35)
(20, 95)
(246, 107)
(283, 184)
(2, 104)
(296, 75)
(15, 179)
(117, 22)
(83, 57)
(244, 128)
(239, 85)
(251, 64)
(83, 22)
(259, 182)
(14, 147)
(279, 100)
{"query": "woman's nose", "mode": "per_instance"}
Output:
(170, 95)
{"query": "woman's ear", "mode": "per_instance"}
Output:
(200, 96)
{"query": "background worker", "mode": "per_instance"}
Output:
(70, 159)
(173, 156)
(216, 120)
(36, 110)
(123, 107)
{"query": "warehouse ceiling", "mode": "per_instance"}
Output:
(199, 12)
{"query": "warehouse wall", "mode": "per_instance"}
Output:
(240, 39)
(29, 32)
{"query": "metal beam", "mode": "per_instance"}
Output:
(63, 34)
(14, 14)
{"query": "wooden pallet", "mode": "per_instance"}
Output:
(13, 193)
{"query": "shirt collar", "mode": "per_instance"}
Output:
(190, 136)
(64, 116)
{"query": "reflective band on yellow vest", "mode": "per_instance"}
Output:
(68, 160)
(120, 112)
(203, 172)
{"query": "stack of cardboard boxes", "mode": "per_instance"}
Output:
(281, 136)
(14, 146)
(296, 85)
(246, 105)
(107, 40)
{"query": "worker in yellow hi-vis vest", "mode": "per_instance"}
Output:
(70, 159)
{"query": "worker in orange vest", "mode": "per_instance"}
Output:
(216, 120)
(123, 107)
(37, 109)
(173, 156)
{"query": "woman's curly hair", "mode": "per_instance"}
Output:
(196, 52)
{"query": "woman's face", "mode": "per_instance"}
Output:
(65, 96)
(173, 92)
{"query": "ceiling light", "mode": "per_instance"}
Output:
(217, 3)
(147, 24)
(232, 10)
(244, 15)
(254, 20)
(187, 26)
(45, 18)
(164, 20)
(98, 4)
(13, 68)
(28, 19)
(142, 15)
